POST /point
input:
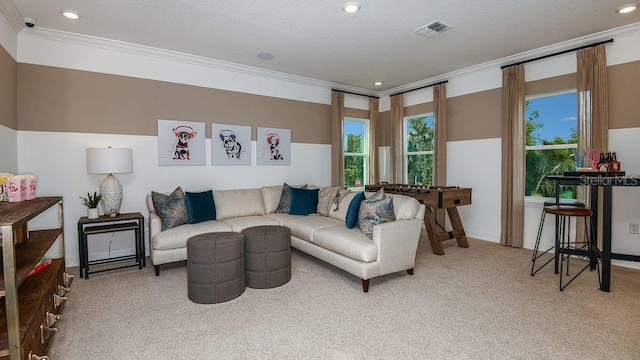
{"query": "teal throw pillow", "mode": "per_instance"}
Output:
(352, 212)
(200, 206)
(172, 208)
(285, 198)
(303, 201)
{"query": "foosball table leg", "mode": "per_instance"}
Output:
(458, 229)
(432, 231)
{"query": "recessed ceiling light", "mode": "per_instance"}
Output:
(265, 56)
(351, 7)
(378, 83)
(70, 14)
(626, 8)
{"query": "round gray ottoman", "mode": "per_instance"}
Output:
(215, 267)
(267, 256)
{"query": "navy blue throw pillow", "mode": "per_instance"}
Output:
(200, 206)
(303, 201)
(352, 213)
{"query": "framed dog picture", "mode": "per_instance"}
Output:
(273, 146)
(181, 143)
(230, 144)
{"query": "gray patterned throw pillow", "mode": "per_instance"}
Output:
(172, 208)
(285, 199)
(374, 211)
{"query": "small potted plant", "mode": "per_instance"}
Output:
(92, 202)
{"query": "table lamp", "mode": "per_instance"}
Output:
(110, 161)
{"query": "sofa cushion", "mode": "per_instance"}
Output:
(285, 198)
(176, 238)
(271, 198)
(373, 213)
(200, 206)
(303, 227)
(303, 201)
(351, 219)
(171, 208)
(326, 197)
(236, 203)
(281, 217)
(339, 211)
(240, 223)
(348, 242)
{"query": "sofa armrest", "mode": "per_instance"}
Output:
(155, 225)
(397, 243)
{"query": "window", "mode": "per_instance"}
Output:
(551, 137)
(418, 156)
(356, 152)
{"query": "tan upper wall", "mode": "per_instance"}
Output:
(478, 115)
(64, 100)
(8, 90)
(624, 101)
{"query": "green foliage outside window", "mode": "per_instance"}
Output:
(540, 163)
(420, 133)
(354, 164)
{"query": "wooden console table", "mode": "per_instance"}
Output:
(435, 197)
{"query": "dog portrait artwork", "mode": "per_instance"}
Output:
(230, 143)
(183, 135)
(273, 140)
(274, 146)
(181, 143)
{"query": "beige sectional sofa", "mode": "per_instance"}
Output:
(392, 249)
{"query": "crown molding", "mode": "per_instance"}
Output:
(619, 32)
(12, 14)
(142, 50)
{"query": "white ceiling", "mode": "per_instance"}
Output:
(316, 39)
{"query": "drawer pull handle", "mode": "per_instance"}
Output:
(456, 201)
(33, 356)
(58, 300)
(52, 318)
(45, 332)
(67, 279)
(63, 290)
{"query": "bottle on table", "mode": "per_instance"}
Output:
(603, 166)
(615, 164)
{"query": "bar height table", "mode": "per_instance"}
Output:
(606, 182)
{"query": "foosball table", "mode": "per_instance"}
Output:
(435, 197)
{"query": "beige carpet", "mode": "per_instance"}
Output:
(475, 303)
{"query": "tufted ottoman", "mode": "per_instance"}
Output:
(215, 267)
(267, 256)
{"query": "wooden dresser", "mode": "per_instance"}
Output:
(29, 306)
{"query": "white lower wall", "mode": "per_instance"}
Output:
(59, 162)
(8, 150)
(477, 164)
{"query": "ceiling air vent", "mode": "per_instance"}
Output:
(433, 29)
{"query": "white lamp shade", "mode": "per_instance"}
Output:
(109, 160)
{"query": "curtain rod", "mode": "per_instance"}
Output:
(352, 93)
(421, 87)
(559, 53)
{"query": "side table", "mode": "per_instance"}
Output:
(105, 224)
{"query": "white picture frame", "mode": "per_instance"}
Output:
(230, 144)
(273, 146)
(181, 143)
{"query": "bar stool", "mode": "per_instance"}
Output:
(536, 253)
(567, 248)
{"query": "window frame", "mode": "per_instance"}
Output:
(405, 146)
(539, 200)
(365, 154)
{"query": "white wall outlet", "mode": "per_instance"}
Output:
(634, 228)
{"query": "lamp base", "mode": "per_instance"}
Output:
(111, 191)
